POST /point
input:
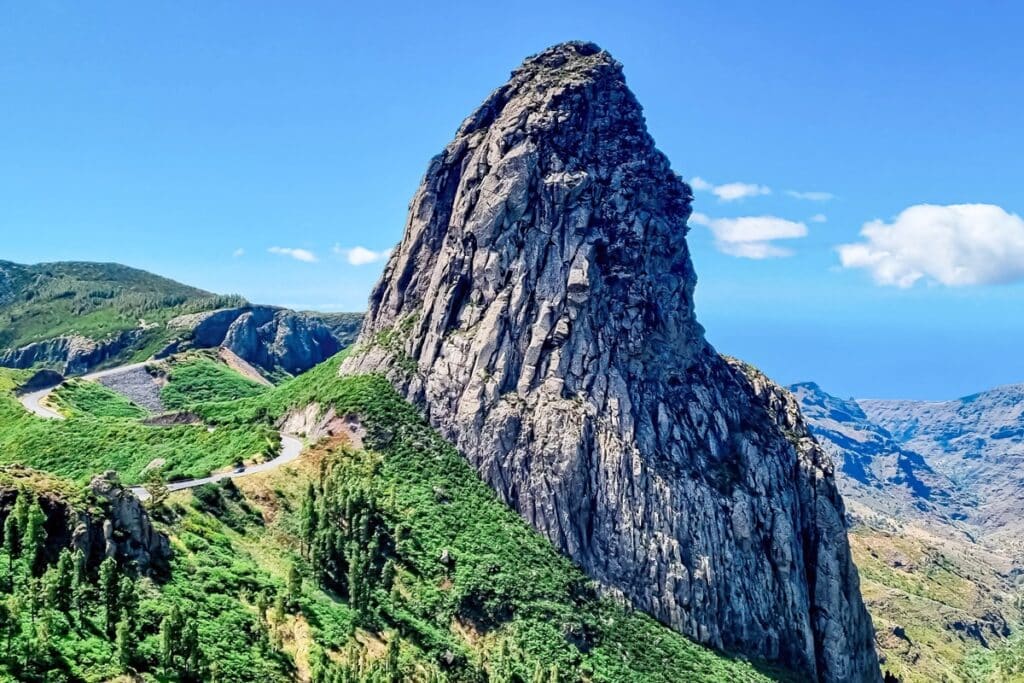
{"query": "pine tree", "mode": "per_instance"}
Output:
(6, 624)
(294, 586)
(124, 643)
(387, 574)
(34, 539)
(190, 647)
(157, 489)
(12, 544)
(170, 632)
(392, 667)
(262, 604)
(80, 588)
(308, 519)
(64, 580)
(14, 612)
(127, 601)
(109, 589)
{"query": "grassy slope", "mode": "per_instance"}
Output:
(199, 378)
(94, 300)
(542, 601)
(79, 397)
(918, 588)
(86, 444)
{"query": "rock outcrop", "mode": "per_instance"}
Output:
(273, 339)
(539, 310)
(125, 531)
(73, 355)
(115, 525)
(265, 336)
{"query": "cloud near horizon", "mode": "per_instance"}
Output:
(751, 237)
(729, 191)
(955, 245)
(811, 196)
(303, 255)
(360, 256)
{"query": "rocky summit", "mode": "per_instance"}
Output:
(539, 310)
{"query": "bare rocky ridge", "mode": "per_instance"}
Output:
(539, 309)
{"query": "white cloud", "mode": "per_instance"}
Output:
(729, 191)
(956, 245)
(818, 218)
(238, 252)
(811, 196)
(298, 254)
(751, 236)
(701, 185)
(361, 256)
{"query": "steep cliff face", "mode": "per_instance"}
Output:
(539, 309)
(74, 354)
(266, 336)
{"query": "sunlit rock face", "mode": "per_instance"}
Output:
(539, 310)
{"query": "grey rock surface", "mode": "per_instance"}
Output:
(268, 337)
(976, 441)
(72, 355)
(274, 339)
(125, 532)
(539, 310)
(137, 385)
(876, 469)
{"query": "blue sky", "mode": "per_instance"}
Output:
(192, 138)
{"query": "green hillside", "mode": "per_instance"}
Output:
(378, 556)
(94, 300)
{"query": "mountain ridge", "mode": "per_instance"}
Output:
(76, 316)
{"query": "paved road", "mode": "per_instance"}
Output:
(33, 403)
(33, 400)
(291, 446)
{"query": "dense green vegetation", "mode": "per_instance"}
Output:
(85, 444)
(92, 398)
(419, 546)
(199, 378)
(62, 620)
(389, 563)
(94, 300)
(999, 665)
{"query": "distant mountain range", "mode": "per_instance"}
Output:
(935, 492)
(76, 316)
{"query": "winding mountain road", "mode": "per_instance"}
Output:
(291, 445)
(33, 403)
